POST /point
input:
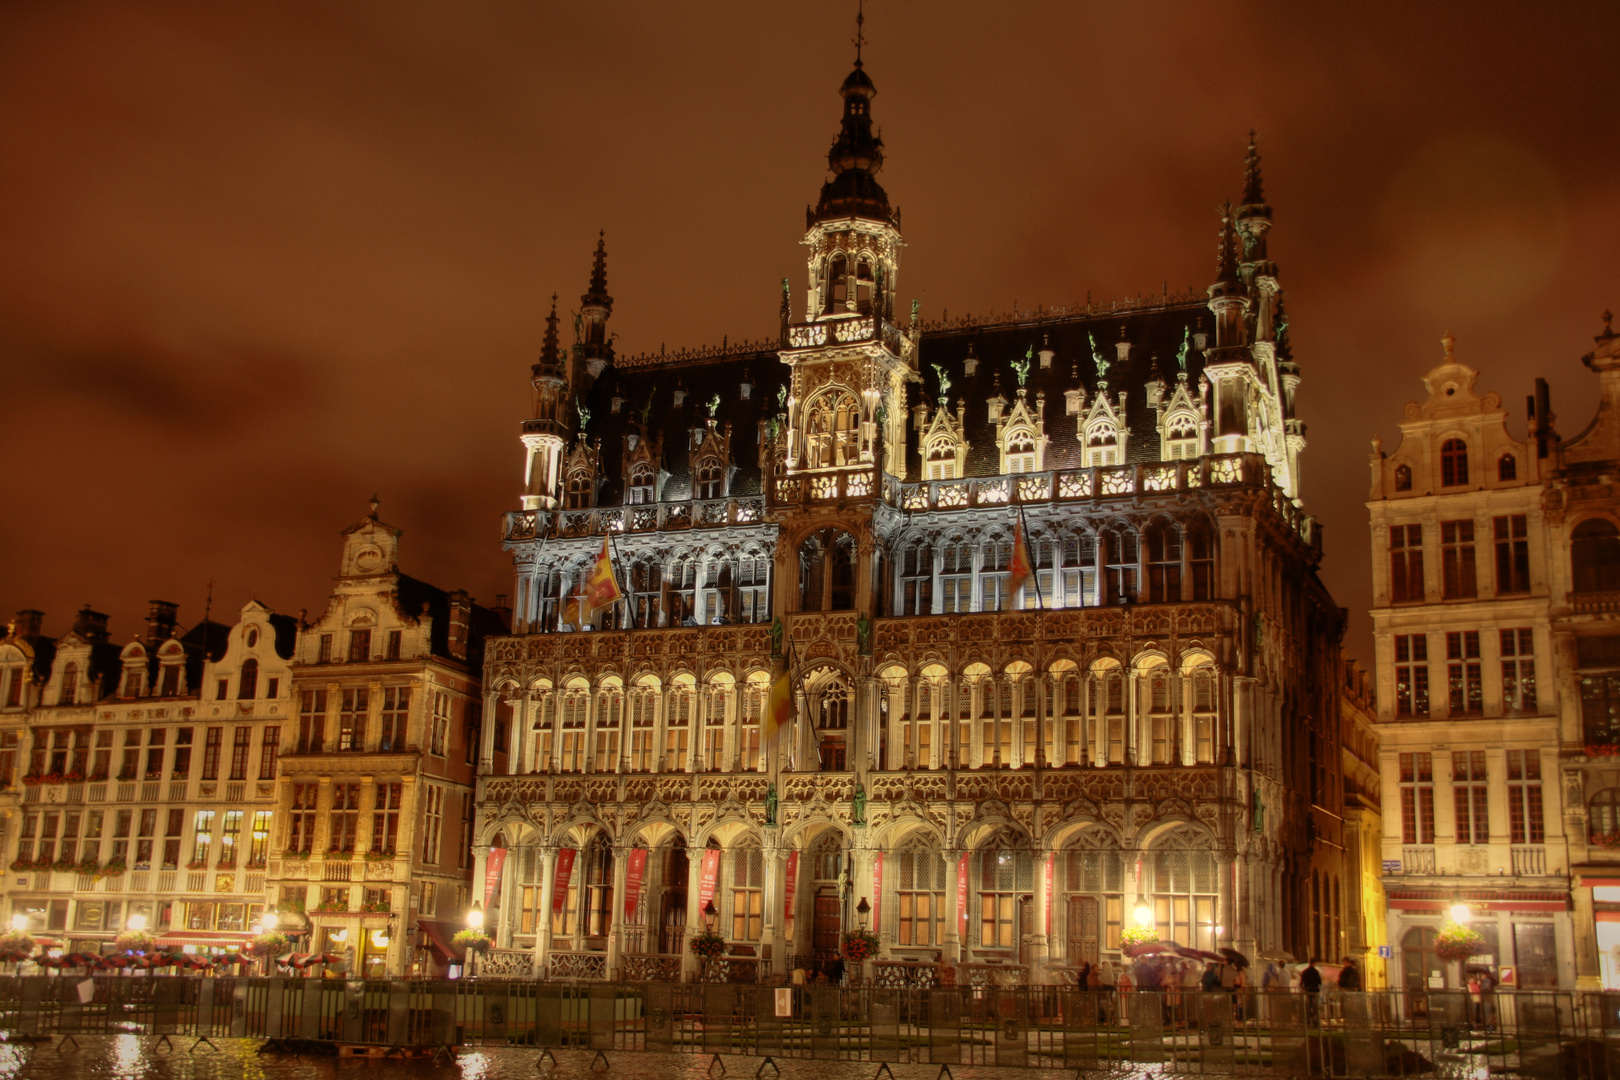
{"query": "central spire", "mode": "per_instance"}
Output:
(857, 154)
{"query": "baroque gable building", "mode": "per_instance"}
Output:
(1006, 774)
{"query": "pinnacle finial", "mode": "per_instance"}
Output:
(1448, 342)
(860, 23)
(1226, 265)
(374, 505)
(1608, 328)
(1253, 190)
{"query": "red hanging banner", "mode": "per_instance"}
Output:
(961, 900)
(634, 871)
(877, 893)
(789, 885)
(710, 876)
(559, 887)
(1051, 870)
(493, 863)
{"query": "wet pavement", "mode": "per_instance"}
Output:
(131, 1057)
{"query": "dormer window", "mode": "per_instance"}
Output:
(1507, 468)
(864, 285)
(1453, 463)
(1182, 441)
(69, 693)
(641, 484)
(132, 683)
(247, 687)
(1102, 446)
(1020, 453)
(709, 480)
(942, 461)
(579, 490)
(837, 285)
(1403, 478)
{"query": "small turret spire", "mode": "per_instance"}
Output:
(1252, 188)
(550, 356)
(860, 36)
(598, 294)
(1226, 261)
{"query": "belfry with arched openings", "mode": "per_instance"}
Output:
(1040, 583)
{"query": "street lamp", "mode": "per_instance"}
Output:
(475, 916)
(136, 921)
(1460, 912)
(710, 914)
(270, 920)
(19, 920)
(864, 910)
(1144, 915)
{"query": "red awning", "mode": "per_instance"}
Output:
(204, 937)
(439, 934)
(1489, 900)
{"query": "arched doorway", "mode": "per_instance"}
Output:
(827, 870)
(673, 875)
(1094, 880)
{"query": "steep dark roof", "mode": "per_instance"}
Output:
(701, 380)
(286, 628)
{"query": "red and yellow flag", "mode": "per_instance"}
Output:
(779, 708)
(601, 588)
(1019, 568)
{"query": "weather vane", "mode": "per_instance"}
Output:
(1021, 367)
(860, 35)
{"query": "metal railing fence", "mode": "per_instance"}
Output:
(1536, 1034)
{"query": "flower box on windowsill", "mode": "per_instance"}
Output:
(1605, 840)
(334, 855)
(51, 778)
(98, 778)
(1603, 749)
(379, 856)
(73, 778)
(297, 856)
(223, 865)
(31, 780)
(114, 869)
(253, 864)
(375, 907)
(332, 907)
(197, 864)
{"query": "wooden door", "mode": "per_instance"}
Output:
(672, 923)
(1085, 938)
(1026, 927)
(828, 924)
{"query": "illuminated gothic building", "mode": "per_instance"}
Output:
(1004, 775)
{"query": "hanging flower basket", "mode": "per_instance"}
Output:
(708, 944)
(268, 944)
(1458, 942)
(859, 945)
(17, 942)
(135, 941)
(474, 941)
(1138, 935)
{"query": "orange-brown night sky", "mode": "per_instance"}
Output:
(259, 261)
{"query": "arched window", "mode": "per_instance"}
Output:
(864, 283)
(1095, 876)
(1453, 463)
(134, 676)
(1182, 439)
(827, 571)
(598, 887)
(1507, 467)
(1164, 563)
(1121, 566)
(747, 891)
(641, 483)
(1201, 560)
(837, 285)
(920, 893)
(247, 684)
(1102, 445)
(1020, 452)
(1201, 688)
(1006, 870)
(681, 581)
(1105, 724)
(956, 577)
(942, 460)
(710, 478)
(1403, 478)
(1603, 815)
(69, 694)
(576, 705)
(1184, 890)
(1594, 555)
(579, 490)
(678, 723)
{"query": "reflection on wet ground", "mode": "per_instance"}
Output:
(131, 1057)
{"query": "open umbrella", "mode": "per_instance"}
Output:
(1197, 954)
(1148, 947)
(1235, 958)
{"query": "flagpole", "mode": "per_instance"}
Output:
(1034, 568)
(630, 600)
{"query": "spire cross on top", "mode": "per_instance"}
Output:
(860, 35)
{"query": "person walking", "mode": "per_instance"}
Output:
(1212, 978)
(1350, 977)
(1310, 981)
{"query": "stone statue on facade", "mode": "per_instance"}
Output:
(776, 637)
(770, 805)
(863, 634)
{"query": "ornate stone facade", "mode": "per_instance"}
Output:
(1006, 770)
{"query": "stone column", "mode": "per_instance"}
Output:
(486, 733)
(955, 947)
(1584, 924)
(616, 911)
(694, 911)
(774, 938)
(542, 931)
(480, 864)
(1045, 899)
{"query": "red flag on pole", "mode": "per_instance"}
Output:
(1019, 568)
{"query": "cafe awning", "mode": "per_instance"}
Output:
(439, 934)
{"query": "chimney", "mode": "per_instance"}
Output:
(460, 630)
(91, 625)
(503, 610)
(27, 623)
(160, 623)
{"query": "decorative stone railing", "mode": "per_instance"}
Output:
(578, 965)
(647, 517)
(1602, 602)
(992, 975)
(639, 968)
(509, 963)
(734, 969)
(904, 975)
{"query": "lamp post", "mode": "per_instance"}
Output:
(864, 910)
(710, 915)
(475, 921)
